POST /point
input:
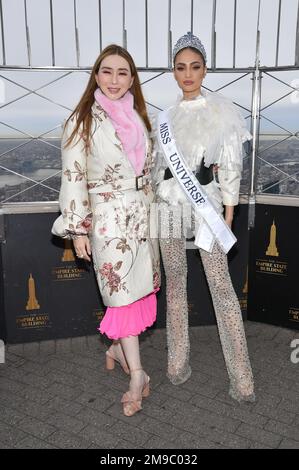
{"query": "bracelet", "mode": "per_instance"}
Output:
(75, 236)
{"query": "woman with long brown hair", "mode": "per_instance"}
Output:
(105, 201)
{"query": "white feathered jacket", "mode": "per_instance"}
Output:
(208, 127)
(94, 200)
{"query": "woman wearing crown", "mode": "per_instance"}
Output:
(203, 133)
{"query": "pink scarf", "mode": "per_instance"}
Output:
(129, 129)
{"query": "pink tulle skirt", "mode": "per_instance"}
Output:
(130, 320)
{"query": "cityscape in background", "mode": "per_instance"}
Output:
(32, 159)
(40, 162)
(35, 95)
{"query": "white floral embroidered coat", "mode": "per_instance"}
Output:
(93, 200)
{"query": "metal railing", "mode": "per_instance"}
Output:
(190, 8)
(172, 27)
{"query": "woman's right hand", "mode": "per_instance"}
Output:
(82, 247)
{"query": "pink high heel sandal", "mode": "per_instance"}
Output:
(111, 359)
(130, 404)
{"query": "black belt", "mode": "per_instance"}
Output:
(204, 175)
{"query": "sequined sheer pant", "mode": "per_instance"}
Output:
(227, 310)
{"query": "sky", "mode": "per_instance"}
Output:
(35, 115)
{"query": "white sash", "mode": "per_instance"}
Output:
(215, 225)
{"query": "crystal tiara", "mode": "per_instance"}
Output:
(189, 40)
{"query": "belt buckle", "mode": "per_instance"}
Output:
(138, 187)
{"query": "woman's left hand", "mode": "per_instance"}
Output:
(229, 215)
(229, 222)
